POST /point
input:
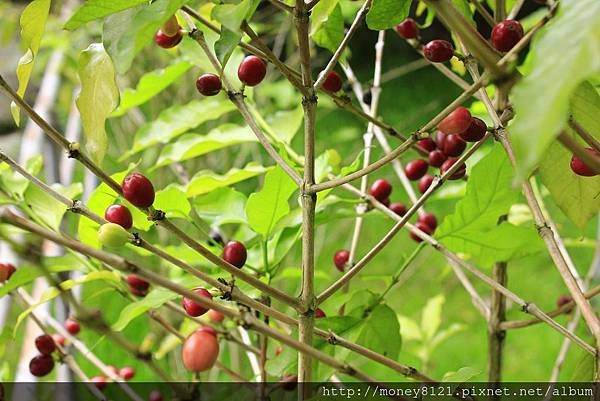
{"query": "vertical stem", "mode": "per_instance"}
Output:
(500, 10)
(495, 334)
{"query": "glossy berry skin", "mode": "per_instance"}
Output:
(416, 169)
(191, 307)
(208, 84)
(333, 82)
(289, 382)
(398, 208)
(429, 219)
(235, 253)
(137, 282)
(167, 42)
(506, 34)
(6, 270)
(200, 351)
(425, 183)
(475, 132)
(127, 373)
(340, 259)
(454, 145)
(215, 316)
(456, 122)
(72, 327)
(440, 138)
(119, 214)
(45, 344)
(438, 51)
(100, 382)
(423, 227)
(155, 395)
(428, 144)
(436, 158)
(408, 29)
(458, 174)
(41, 365)
(138, 190)
(380, 190)
(582, 169)
(252, 71)
(319, 314)
(59, 340)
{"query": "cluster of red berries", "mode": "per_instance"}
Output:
(42, 364)
(582, 169)
(127, 373)
(6, 271)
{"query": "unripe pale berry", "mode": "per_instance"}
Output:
(167, 42)
(582, 169)
(113, 235)
(456, 122)
(416, 169)
(506, 34)
(208, 84)
(425, 183)
(235, 253)
(191, 307)
(475, 132)
(427, 144)
(200, 350)
(252, 71)
(138, 190)
(119, 214)
(423, 227)
(6, 270)
(45, 344)
(380, 190)
(459, 173)
(41, 365)
(72, 327)
(436, 158)
(319, 314)
(408, 29)
(454, 145)
(333, 82)
(215, 316)
(438, 51)
(127, 373)
(398, 208)
(429, 219)
(340, 259)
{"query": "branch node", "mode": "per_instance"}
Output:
(332, 339)
(73, 150)
(311, 99)
(301, 15)
(137, 241)
(157, 215)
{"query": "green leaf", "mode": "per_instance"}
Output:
(126, 33)
(92, 10)
(431, 319)
(462, 375)
(221, 206)
(541, 99)
(381, 332)
(47, 209)
(206, 181)
(584, 369)
(176, 120)
(327, 24)
(231, 16)
(385, 14)
(155, 299)
(286, 123)
(149, 85)
(172, 201)
(15, 184)
(33, 23)
(226, 44)
(98, 97)
(266, 207)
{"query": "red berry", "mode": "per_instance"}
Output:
(341, 258)
(459, 173)
(58, 339)
(333, 82)
(454, 145)
(429, 219)
(582, 169)
(440, 138)
(380, 190)
(100, 382)
(119, 214)
(252, 71)
(41, 365)
(398, 208)
(191, 307)
(45, 344)
(475, 132)
(289, 382)
(166, 42)
(72, 327)
(137, 282)
(127, 373)
(386, 202)
(506, 34)
(416, 169)
(155, 395)
(319, 314)
(408, 29)
(208, 84)
(215, 316)
(137, 292)
(423, 227)
(200, 351)
(428, 144)
(456, 122)
(6, 270)
(425, 183)
(563, 300)
(138, 190)
(235, 253)
(436, 158)
(438, 51)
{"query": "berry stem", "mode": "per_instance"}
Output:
(586, 136)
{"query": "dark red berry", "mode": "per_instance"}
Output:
(191, 307)
(429, 219)
(423, 227)
(459, 173)
(138, 190)
(137, 292)
(416, 169)
(398, 208)
(289, 382)
(428, 144)
(41, 365)
(380, 190)
(341, 258)
(456, 122)
(100, 382)
(119, 214)
(440, 138)
(582, 169)
(475, 132)
(208, 84)
(72, 327)
(59, 339)
(252, 71)
(454, 145)
(6, 270)
(563, 300)
(506, 34)
(167, 42)
(235, 253)
(155, 395)
(137, 282)
(425, 183)
(319, 314)
(438, 51)
(333, 82)
(45, 344)
(408, 29)
(127, 373)
(436, 158)
(385, 202)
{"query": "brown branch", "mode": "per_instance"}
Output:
(588, 158)
(495, 334)
(586, 136)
